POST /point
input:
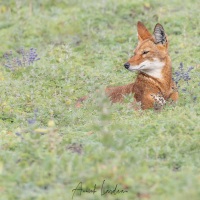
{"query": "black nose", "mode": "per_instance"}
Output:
(127, 65)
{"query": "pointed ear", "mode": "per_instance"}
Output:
(159, 34)
(143, 33)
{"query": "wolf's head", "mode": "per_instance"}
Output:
(151, 52)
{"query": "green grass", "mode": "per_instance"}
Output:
(83, 46)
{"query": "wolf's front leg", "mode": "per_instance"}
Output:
(116, 94)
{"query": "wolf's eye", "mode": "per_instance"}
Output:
(145, 52)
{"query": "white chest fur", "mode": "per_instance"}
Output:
(152, 68)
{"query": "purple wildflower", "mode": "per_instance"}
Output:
(181, 74)
(33, 121)
(25, 58)
(32, 56)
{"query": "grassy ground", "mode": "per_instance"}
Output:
(48, 146)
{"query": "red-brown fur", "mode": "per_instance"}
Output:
(145, 85)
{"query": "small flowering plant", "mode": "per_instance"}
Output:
(182, 74)
(25, 58)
